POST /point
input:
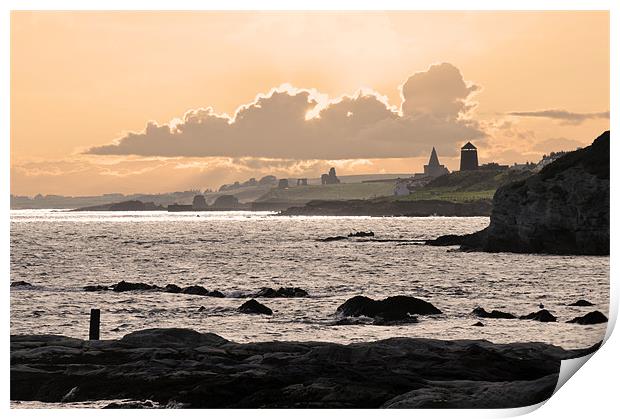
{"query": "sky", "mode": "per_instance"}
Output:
(105, 102)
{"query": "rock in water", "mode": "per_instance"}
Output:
(254, 307)
(594, 317)
(362, 234)
(172, 288)
(399, 307)
(495, 314)
(581, 303)
(478, 324)
(133, 286)
(563, 209)
(20, 284)
(282, 292)
(195, 290)
(541, 316)
(332, 239)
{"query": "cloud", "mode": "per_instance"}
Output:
(562, 115)
(293, 123)
(440, 92)
(557, 144)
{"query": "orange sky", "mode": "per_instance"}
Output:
(86, 79)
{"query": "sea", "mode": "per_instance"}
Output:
(237, 253)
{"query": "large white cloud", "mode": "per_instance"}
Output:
(293, 123)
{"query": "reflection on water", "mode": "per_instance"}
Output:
(239, 252)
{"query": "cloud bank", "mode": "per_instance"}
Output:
(562, 115)
(292, 123)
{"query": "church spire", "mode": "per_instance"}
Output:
(434, 160)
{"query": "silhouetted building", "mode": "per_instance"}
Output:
(302, 182)
(493, 166)
(283, 184)
(199, 202)
(469, 157)
(330, 178)
(433, 168)
(409, 185)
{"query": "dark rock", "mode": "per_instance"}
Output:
(495, 314)
(476, 394)
(202, 308)
(362, 234)
(563, 209)
(332, 239)
(172, 288)
(215, 294)
(92, 288)
(175, 337)
(71, 396)
(393, 308)
(541, 316)
(195, 290)
(594, 317)
(254, 307)
(581, 303)
(184, 368)
(147, 404)
(133, 286)
(478, 324)
(282, 292)
(16, 284)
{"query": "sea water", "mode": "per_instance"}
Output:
(59, 252)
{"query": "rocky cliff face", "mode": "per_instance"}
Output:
(564, 209)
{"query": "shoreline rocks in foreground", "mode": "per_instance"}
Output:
(202, 370)
(563, 209)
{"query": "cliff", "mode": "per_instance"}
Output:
(564, 209)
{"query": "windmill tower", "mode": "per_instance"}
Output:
(469, 157)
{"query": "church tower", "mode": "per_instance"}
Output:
(433, 168)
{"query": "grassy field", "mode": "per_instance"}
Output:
(465, 186)
(454, 187)
(447, 194)
(342, 191)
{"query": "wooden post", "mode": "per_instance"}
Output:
(95, 317)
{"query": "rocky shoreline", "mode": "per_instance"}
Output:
(185, 368)
(563, 210)
(389, 208)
